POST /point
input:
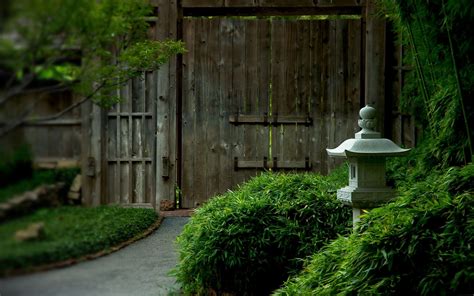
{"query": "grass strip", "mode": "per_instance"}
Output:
(72, 234)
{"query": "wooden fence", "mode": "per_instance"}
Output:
(53, 142)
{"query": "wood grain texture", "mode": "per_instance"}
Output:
(226, 145)
(375, 64)
(129, 154)
(188, 122)
(289, 70)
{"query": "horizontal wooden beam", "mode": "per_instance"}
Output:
(55, 122)
(137, 159)
(270, 11)
(126, 114)
(270, 120)
(271, 3)
(274, 164)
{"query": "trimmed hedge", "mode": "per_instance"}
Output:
(248, 241)
(421, 244)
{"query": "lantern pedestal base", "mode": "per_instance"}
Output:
(365, 198)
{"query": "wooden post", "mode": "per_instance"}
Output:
(375, 63)
(92, 151)
(166, 118)
(86, 109)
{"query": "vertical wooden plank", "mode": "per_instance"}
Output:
(76, 142)
(96, 154)
(162, 130)
(211, 106)
(262, 100)
(375, 63)
(149, 183)
(138, 165)
(303, 89)
(226, 165)
(189, 94)
(111, 154)
(339, 106)
(125, 197)
(331, 88)
(150, 131)
(125, 147)
(325, 93)
(239, 85)
(285, 99)
(112, 196)
(353, 93)
(250, 93)
(138, 182)
(200, 124)
(250, 99)
(166, 105)
(315, 146)
(175, 78)
(118, 168)
(278, 76)
(141, 184)
(86, 141)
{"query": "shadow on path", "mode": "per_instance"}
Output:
(139, 269)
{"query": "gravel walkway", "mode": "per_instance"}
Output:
(139, 269)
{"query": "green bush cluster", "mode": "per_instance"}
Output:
(70, 232)
(421, 244)
(248, 241)
(15, 166)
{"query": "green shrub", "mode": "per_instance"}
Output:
(16, 165)
(70, 232)
(249, 241)
(420, 244)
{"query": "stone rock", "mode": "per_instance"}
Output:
(43, 196)
(166, 205)
(34, 231)
(75, 190)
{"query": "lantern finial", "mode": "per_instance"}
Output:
(367, 123)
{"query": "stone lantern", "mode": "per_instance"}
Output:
(366, 155)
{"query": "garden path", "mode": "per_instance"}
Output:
(139, 269)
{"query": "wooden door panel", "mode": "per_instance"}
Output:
(130, 131)
(315, 72)
(261, 94)
(225, 73)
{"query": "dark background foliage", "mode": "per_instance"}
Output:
(439, 91)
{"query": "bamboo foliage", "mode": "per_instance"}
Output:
(440, 89)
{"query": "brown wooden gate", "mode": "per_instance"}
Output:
(265, 94)
(130, 133)
(253, 93)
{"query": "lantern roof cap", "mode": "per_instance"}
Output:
(367, 142)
